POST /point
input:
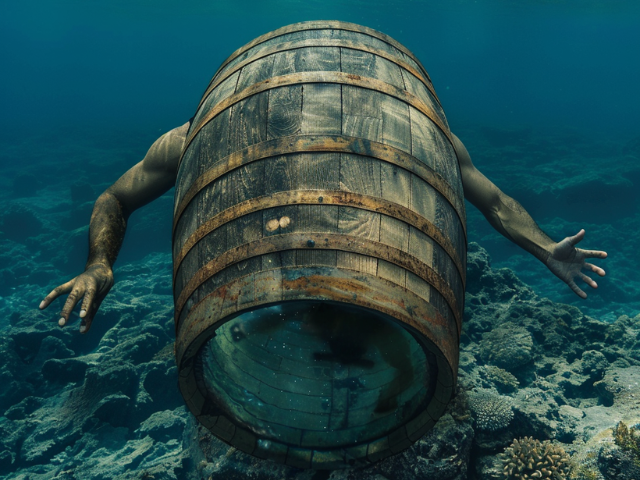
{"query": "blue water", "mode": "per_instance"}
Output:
(143, 64)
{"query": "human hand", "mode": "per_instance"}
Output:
(93, 284)
(567, 262)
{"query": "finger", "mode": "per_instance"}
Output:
(55, 293)
(70, 304)
(90, 313)
(576, 289)
(86, 308)
(595, 269)
(577, 237)
(88, 301)
(594, 254)
(588, 281)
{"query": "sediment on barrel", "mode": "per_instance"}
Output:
(319, 167)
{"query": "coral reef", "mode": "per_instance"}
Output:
(628, 439)
(491, 411)
(507, 346)
(530, 458)
(503, 381)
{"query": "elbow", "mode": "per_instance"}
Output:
(108, 201)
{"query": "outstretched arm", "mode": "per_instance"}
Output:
(141, 184)
(509, 218)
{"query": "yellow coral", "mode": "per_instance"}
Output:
(628, 439)
(527, 458)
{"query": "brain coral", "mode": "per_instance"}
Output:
(490, 410)
(528, 458)
(507, 346)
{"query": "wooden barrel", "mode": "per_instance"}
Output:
(319, 249)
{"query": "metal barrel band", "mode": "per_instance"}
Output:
(318, 77)
(323, 197)
(289, 46)
(323, 143)
(323, 241)
(322, 25)
(336, 283)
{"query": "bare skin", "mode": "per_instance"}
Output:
(157, 172)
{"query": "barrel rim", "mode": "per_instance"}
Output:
(322, 25)
(405, 305)
(394, 442)
(424, 344)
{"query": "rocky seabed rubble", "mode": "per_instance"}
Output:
(541, 389)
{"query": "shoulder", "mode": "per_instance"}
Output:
(461, 152)
(165, 152)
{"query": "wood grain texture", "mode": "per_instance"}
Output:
(429, 145)
(366, 64)
(413, 85)
(212, 135)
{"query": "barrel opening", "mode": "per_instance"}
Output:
(316, 374)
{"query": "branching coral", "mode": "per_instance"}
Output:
(491, 411)
(628, 439)
(528, 458)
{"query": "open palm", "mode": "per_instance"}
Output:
(567, 262)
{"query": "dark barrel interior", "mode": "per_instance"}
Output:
(319, 249)
(274, 369)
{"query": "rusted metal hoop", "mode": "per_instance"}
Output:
(322, 241)
(322, 197)
(323, 143)
(323, 25)
(318, 77)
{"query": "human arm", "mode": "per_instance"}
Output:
(144, 182)
(509, 218)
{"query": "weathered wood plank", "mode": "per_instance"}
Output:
(413, 85)
(361, 118)
(316, 171)
(366, 40)
(367, 64)
(418, 286)
(321, 109)
(212, 146)
(357, 262)
(284, 115)
(222, 91)
(247, 126)
(361, 113)
(316, 257)
(392, 272)
(421, 247)
(431, 146)
(396, 124)
(255, 72)
(395, 233)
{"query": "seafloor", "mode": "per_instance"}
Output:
(535, 360)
